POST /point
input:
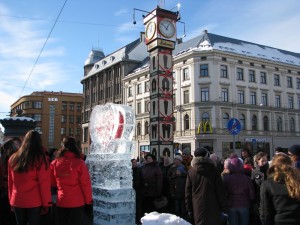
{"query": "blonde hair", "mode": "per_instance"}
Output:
(282, 170)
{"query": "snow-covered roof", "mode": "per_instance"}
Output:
(207, 41)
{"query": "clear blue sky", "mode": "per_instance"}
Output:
(82, 25)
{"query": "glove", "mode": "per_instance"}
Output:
(44, 210)
(88, 208)
(190, 215)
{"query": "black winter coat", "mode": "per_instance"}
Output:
(276, 207)
(205, 192)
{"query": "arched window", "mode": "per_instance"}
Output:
(266, 123)
(279, 124)
(225, 119)
(186, 122)
(205, 117)
(146, 127)
(242, 119)
(292, 125)
(254, 122)
(138, 129)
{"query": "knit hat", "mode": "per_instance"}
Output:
(186, 151)
(178, 157)
(295, 150)
(203, 152)
(236, 165)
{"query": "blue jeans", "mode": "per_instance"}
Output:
(238, 216)
(28, 216)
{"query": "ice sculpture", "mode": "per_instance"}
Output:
(111, 128)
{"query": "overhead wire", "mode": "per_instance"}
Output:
(36, 61)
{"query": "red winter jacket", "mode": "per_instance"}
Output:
(29, 189)
(71, 177)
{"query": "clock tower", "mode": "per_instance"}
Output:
(160, 38)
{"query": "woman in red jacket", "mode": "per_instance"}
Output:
(70, 175)
(29, 181)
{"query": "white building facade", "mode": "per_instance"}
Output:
(218, 78)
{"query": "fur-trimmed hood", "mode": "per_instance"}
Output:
(203, 164)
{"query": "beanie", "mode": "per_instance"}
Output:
(295, 150)
(178, 157)
(203, 152)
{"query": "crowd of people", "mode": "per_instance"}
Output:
(40, 187)
(205, 190)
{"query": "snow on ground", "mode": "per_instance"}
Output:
(155, 218)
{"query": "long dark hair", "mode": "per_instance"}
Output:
(30, 154)
(69, 144)
(8, 148)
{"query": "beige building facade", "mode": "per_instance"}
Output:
(57, 114)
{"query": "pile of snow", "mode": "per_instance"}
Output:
(155, 218)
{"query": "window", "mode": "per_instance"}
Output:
(279, 124)
(241, 97)
(264, 99)
(37, 105)
(225, 120)
(251, 76)
(276, 80)
(224, 71)
(130, 92)
(240, 73)
(62, 131)
(263, 78)
(292, 125)
(78, 107)
(146, 127)
(298, 83)
(63, 118)
(64, 106)
(290, 102)
(289, 82)
(186, 122)
(186, 75)
(205, 117)
(37, 117)
(277, 101)
(147, 106)
(204, 70)
(298, 102)
(138, 129)
(139, 108)
(224, 94)
(72, 106)
(147, 86)
(186, 97)
(71, 119)
(253, 98)
(266, 123)
(242, 119)
(71, 131)
(254, 122)
(139, 88)
(204, 94)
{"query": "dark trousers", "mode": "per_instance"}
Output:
(7, 217)
(28, 216)
(69, 216)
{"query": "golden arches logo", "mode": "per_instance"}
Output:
(205, 127)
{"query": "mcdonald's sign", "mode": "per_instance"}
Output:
(204, 127)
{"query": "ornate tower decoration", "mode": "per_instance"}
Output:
(160, 35)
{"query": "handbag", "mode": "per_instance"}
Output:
(160, 202)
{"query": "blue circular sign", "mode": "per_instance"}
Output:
(234, 126)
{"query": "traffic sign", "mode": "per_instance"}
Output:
(234, 126)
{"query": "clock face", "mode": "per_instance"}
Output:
(150, 30)
(166, 28)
